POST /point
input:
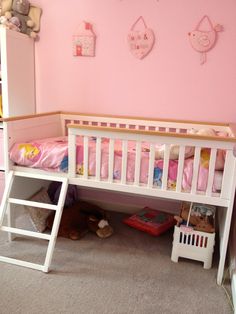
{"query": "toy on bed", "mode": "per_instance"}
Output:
(81, 218)
(189, 150)
(201, 217)
(21, 16)
(6, 5)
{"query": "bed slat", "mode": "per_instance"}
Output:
(165, 167)
(151, 165)
(111, 160)
(195, 169)
(85, 157)
(180, 168)
(72, 155)
(211, 172)
(98, 158)
(137, 163)
(124, 161)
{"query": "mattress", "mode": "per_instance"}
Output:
(51, 154)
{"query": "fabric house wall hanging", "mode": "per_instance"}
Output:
(204, 40)
(140, 40)
(84, 40)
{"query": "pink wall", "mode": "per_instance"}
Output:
(169, 83)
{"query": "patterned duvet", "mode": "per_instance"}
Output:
(51, 154)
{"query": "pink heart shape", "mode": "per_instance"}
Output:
(141, 42)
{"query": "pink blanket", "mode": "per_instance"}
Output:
(52, 154)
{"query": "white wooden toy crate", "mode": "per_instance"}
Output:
(196, 245)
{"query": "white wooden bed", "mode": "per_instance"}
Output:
(151, 131)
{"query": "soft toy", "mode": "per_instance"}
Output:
(205, 152)
(13, 23)
(201, 218)
(204, 132)
(174, 149)
(20, 9)
(80, 218)
(189, 150)
(174, 152)
(5, 6)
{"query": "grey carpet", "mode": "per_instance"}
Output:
(129, 273)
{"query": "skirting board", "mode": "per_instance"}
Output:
(233, 290)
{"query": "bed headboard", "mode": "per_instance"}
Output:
(27, 128)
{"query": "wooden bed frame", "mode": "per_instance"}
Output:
(26, 128)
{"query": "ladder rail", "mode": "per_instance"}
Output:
(56, 224)
(4, 204)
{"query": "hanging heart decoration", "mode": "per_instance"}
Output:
(202, 40)
(140, 41)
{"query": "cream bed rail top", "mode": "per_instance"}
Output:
(229, 127)
(148, 132)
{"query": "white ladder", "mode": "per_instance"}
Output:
(6, 200)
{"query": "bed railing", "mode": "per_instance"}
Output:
(153, 138)
(137, 123)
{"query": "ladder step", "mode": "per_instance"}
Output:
(28, 233)
(33, 204)
(40, 176)
(22, 263)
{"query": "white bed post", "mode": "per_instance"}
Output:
(56, 224)
(230, 173)
(5, 197)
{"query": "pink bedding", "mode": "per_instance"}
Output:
(52, 154)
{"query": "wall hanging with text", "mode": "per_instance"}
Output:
(140, 39)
